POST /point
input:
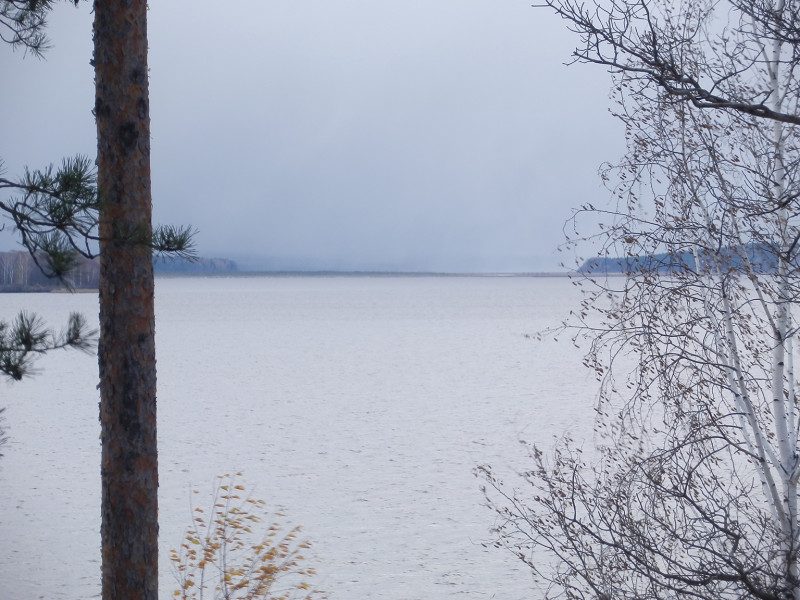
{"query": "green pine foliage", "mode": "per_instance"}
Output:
(27, 336)
(55, 212)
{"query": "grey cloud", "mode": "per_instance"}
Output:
(442, 135)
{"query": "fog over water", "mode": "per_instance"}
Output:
(360, 405)
(443, 135)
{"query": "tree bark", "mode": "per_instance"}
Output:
(126, 349)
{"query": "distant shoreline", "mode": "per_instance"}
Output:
(279, 274)
(238, 274)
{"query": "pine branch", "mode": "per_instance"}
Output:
(26, 336)
(23, 24)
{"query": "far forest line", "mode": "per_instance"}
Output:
(19, 272)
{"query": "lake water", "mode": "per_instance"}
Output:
(359, 405)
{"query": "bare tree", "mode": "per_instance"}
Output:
(648, 41)
(693, 492)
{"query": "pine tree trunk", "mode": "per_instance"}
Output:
(126, 349)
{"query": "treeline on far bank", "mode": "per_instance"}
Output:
(19, 272)
(758, 257)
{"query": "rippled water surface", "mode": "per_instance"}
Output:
(360, 405)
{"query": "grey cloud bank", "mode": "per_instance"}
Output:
(441, 135)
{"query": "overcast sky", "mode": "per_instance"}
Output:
(443, 135)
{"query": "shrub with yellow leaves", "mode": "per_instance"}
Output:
(226, 555)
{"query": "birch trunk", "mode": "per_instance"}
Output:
(695, 493)
(783, 409)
